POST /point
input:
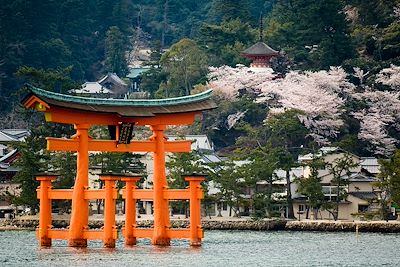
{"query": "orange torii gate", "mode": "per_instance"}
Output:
(123, 114)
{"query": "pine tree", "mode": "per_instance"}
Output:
(116, 46)
(314, 33)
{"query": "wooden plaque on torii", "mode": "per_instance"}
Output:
(85, 112)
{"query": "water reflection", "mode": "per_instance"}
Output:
(220, 248)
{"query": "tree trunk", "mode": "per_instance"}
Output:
(99, 203)
(269, 195)
(289, 199)
(315, 214)
(336, 211)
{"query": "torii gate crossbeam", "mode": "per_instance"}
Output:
(86, 112)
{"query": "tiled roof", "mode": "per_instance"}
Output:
(113, 77)
(370, 164)
(126, 107)
(363, 195)
(260, 48)
(358, 177)
(135, 72)
(7, 138)
(91, 88)
(9, 157)
(19, 134)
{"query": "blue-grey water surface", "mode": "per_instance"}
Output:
(220, 248)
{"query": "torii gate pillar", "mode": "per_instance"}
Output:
(84, 112)
(161, 209)
(80, 207)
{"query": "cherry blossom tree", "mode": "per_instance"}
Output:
(381, 111)
(232, 81)
(319, 96)
(390, 76)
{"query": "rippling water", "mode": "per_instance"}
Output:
(220, 248)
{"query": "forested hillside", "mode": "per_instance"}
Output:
(59, 44)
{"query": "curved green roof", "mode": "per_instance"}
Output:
(121, 102)
(125, 107)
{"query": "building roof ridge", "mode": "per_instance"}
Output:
(121, 102)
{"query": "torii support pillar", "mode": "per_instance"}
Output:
(45, 209)
(161, 209)
(109, 210)
(130, 209)
(80, 206)
(195, 209)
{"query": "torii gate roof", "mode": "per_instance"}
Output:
(122, 107)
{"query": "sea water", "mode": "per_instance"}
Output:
(220, 248)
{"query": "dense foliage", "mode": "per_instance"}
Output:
(336, 81)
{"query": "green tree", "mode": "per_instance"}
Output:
(116, 163)
(287, 135)
(31, 162)
(224, 42)
(180, 165)
(223, 10)
(63, 164)
(314, 34)
(186, 65)
(152, 79)
(228, 178)
(261, 168)
(311, 186)
(281, 138)
(58, 80)
(389, 178)
(340, 169)
(383, 187)
(34, 156)
(116, 46)
(243, 133)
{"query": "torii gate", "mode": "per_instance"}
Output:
(84, 112)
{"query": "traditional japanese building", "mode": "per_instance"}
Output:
(260, 54)
(114, 83)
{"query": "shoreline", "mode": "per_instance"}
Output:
(21, 224)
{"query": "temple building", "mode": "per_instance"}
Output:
(260, 54)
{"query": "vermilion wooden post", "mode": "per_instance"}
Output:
(45, 209)
(161, 208)
(130, 209)
(109, 210)
(80, 207)
(195, 209)
(84, 112)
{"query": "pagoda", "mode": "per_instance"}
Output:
(260, 53)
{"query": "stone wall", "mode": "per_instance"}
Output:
(260, 225)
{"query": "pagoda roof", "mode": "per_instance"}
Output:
(260, 49)
(122, 107)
